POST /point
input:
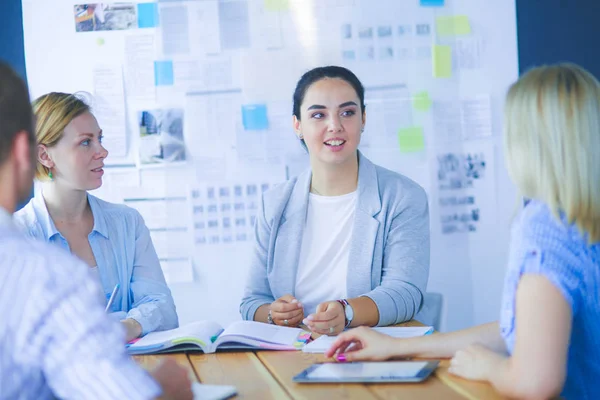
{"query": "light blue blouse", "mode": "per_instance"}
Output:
(124, 254)
(544, 245)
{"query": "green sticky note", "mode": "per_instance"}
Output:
(442, 62)
(411, 140)
(421, 101)
(277, 5)
(452, 25)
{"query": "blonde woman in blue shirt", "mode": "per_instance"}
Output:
(546, 342)
(111, 239)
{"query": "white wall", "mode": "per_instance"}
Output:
(467, 268)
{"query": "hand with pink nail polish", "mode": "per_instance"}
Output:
(362, 344)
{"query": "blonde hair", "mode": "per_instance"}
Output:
(552, 142)
(54, 111)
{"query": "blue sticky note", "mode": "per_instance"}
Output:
(163, 73)
(432, 3)
(254, 117)
(147, 15)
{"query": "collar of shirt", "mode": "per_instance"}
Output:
(5, 218)
(39, 205)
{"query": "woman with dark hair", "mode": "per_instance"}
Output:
(347, 242)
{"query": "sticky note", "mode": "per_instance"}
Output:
(411, 140)
(277, 5)
(254, 117)
(421, 101)
(163, 73)
(147, 15)
(452, 25)
(442, 61)
(432, 3)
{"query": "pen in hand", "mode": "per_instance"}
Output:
(112, 298)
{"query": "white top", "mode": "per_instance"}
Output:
(323, 264)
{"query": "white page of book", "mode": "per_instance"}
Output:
(202, 330)
(323, 343)
(263, 332)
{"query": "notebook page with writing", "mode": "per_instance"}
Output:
(323, 343)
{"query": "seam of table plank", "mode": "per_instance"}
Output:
(192, 366)
(274, 376)
(271, 383)
(264, 370)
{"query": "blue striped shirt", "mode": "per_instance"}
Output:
(55, 338)
(543, 245)
(124, 254)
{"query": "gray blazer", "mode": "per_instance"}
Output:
(389, 252)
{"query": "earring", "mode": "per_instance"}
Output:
(50, 175)
(362, 129)
(300, 136)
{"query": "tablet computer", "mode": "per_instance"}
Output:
(368, 372)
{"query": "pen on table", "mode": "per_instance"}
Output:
(112, 297)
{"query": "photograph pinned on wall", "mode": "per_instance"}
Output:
(423, 52)
(105, 17)
(405, 53)
(366, 53)
(386, 53)
(404, 30)
(161, 136)
(349, 55)
(384, 31)
(365, 33)
(346, 31)
(423, 29)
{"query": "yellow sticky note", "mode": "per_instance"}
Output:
(452, 25)
(421, 101)
(442, 62)
(277, 5)
(411, 140)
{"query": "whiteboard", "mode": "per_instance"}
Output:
(195, 101)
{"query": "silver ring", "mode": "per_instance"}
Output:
(286, 322)
(331, 330)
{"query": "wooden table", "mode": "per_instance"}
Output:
(268, 375)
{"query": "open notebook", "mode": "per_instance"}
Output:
(321, 344)
(208, 336)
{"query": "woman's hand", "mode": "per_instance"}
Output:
(476, 362)
(329, 319)
(133, 329)
(287, 311)
(362, 343)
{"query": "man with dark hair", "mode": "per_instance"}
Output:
(55, 338)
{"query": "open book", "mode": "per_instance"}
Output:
(208, 336)
(323, 343)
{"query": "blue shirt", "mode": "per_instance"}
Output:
(55, 338)
(543, 245)
(124, 254)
